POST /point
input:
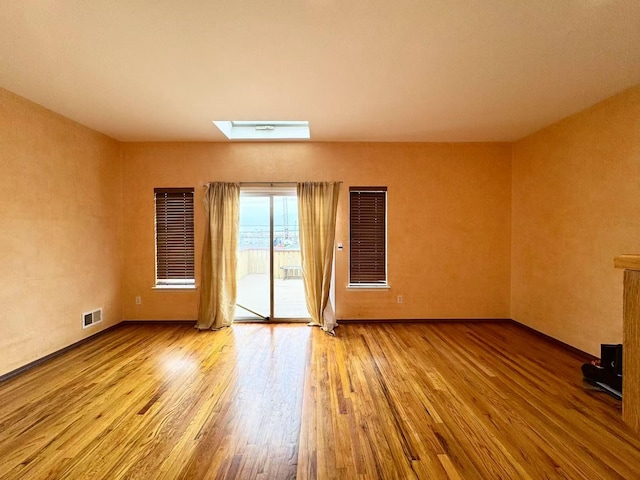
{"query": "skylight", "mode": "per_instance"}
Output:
(264, 130)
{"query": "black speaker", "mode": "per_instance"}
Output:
(611, 358)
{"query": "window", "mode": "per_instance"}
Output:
(174, 237)
(264, 129)
(368, 236)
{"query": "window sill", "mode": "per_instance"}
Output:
(372, 286)
(174, 287)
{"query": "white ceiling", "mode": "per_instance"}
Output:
(358, 70)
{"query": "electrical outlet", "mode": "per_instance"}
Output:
(400, 299)
(138, 300)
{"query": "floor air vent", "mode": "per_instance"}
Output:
(89, 318)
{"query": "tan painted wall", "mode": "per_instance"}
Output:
(576, 205)
(60, 219)
(448, 228)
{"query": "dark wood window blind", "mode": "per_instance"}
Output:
(174, 236)
(368, 235)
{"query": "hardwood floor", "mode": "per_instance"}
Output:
(273, 402)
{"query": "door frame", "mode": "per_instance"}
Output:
(271, 190)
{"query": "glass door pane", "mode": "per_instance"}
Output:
(254, 258)
(288, 289)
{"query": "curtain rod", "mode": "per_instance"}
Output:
(272, 184)
(263, 183)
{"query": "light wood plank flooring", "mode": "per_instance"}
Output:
(284, 401)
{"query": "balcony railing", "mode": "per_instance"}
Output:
(256, 260)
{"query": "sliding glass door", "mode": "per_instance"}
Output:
(254, 258)
(289, 301)
(269, 267)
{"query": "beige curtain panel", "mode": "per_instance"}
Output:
(219, 256)
(317, 207)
